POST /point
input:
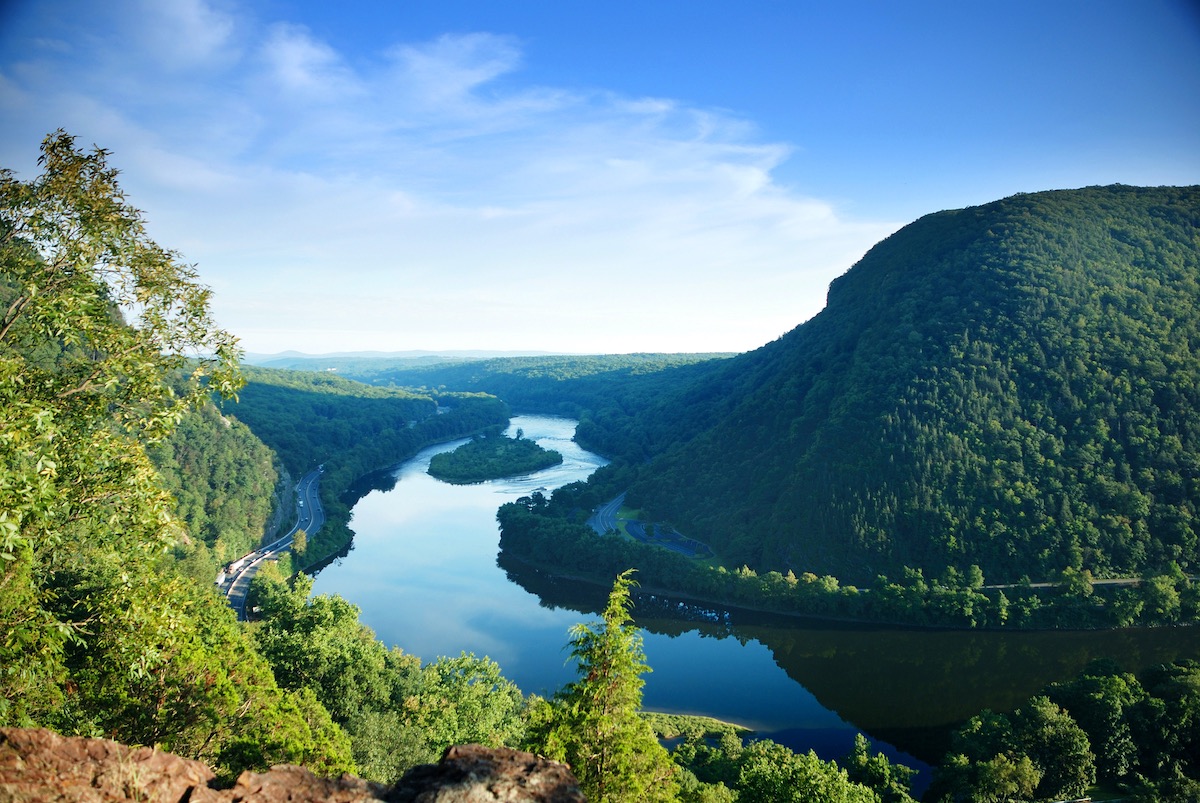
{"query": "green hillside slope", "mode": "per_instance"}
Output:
(1012, 385)
(223, 480)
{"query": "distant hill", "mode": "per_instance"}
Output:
(603, 390)
(1014, 385)
(367, 363)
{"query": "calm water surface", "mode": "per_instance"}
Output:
(424, 570)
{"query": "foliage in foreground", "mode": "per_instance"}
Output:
(1139, 736)
(101, 345)
(397, 712)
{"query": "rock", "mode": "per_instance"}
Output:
(298, 785)
(38, 765)
(476, 774)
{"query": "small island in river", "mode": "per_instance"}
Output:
(490, 457)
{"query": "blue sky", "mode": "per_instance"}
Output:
(591, 177)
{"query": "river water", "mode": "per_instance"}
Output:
(423, 568)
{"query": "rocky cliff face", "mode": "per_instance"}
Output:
(38, 765)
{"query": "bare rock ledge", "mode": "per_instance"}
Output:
(39, 765)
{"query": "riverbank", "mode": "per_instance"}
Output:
(549, 535)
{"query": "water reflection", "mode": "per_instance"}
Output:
(425, 572)
(905, 686)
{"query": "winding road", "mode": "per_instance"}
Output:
(605, 518)
(309, 518)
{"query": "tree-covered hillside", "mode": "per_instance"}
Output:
(1013, 385)
(223, 479)
(309, 417)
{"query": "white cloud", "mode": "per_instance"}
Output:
(302, 65)
(443, 73)
(422, 197)
(184, 33)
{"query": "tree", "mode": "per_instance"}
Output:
(467, 700)
(1057, 746)
(96, 324)
(892, 782)
(1100, 700)
(772, 773)
(300, 542)
(106, 340)
(1161, 598)
(593, 723)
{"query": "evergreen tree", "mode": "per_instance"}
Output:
(593, 724)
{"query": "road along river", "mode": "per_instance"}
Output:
(424, 571)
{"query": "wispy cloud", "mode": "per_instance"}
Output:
(422, 197)
(185, 34)
(307, 70)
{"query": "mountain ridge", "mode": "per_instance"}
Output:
(973, 347)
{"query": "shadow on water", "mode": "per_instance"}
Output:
(907, 687)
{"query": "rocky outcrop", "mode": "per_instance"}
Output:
(38, 765)
(475, 774)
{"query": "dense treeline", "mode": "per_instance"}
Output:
(352, 429)
(1014, 386)
(602, 391)
(492, 456)
(1137, 736)
(550, 533)
(223, 479)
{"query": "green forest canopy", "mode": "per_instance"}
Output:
(492, 456)
(1014, 385)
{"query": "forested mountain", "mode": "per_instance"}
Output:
(309, 417)
(1013, 385)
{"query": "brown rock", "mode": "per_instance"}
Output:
(298, 785)
(41, 766)
(476, 774)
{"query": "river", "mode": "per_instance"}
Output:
(423, 568)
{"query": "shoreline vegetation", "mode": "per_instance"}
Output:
(492, 456)
(548, 534)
